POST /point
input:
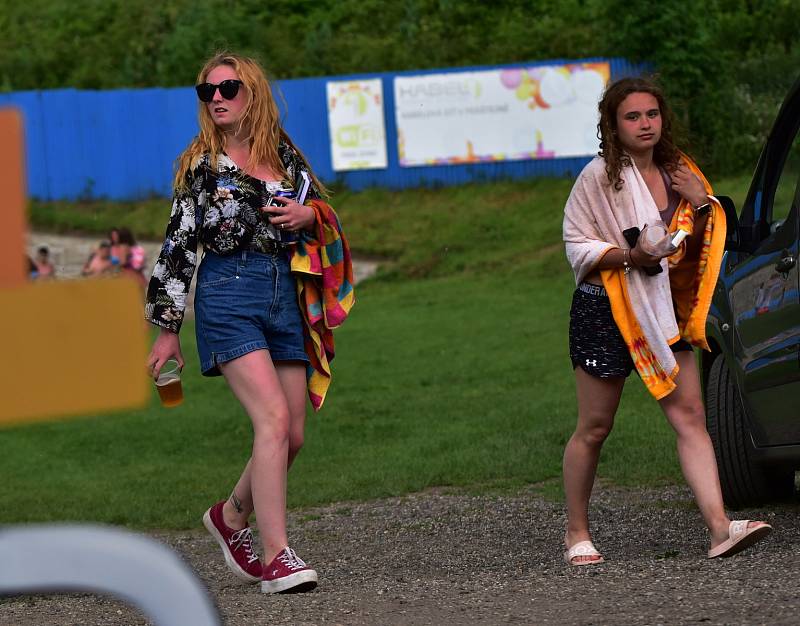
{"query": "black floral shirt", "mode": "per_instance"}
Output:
(220, 209)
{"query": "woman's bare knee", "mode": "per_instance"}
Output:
(688, 418)
(595, 434)
(271, 429)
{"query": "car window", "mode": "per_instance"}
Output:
(787, 185)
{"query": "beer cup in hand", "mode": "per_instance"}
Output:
(168, 384)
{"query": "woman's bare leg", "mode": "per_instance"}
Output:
(239, 506)
(255, 382)
(686, 414)
(292, 375)
(598, 399)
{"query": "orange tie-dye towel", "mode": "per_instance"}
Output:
(595, 216)
(694, 268)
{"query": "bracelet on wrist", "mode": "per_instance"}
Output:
(626, 260)
(703, 204)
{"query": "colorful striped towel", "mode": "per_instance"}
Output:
(322, 265)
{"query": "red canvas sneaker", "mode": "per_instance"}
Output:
(287, 573)
(237, 545)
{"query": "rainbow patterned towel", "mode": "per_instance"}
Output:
(323, 267)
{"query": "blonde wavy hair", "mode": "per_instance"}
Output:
(260, 119)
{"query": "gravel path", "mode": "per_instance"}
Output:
(446, 557)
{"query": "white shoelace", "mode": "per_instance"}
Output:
(290, 559)
(244, 539)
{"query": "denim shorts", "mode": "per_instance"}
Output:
(595, 343)
(244, 302)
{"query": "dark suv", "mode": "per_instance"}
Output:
(752, 374)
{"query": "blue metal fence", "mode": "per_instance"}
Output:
(121, 144)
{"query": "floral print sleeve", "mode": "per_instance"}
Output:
(293, 163)
(173, 271)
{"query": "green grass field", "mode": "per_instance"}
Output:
(452, 371)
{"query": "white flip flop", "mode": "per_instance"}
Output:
(583, 548)
(739, 538)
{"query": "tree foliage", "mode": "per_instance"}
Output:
(725, 65)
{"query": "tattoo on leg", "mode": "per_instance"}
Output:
(237, 504)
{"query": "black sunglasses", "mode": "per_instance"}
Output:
(227, 89)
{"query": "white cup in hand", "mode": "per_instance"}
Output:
(656, 241)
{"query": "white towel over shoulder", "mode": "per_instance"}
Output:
(594, 217)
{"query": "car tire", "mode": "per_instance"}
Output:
(744, 482)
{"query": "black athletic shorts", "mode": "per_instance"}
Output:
(595, 342)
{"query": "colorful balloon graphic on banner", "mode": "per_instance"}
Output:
(554, 86)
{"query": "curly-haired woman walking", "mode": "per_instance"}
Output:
(642, 305)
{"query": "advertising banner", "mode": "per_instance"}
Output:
(355, 120)
(541, 112)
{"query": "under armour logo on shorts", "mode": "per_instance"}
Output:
(593, 362)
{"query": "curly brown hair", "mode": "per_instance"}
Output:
(665, 153)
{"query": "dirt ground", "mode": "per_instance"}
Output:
(448, 557)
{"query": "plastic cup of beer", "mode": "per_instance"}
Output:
(168, 384)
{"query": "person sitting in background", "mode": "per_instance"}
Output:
(134, 254)
(116, 251)
(132, 257)
(99, 262)
(33, 272)
(44, 267)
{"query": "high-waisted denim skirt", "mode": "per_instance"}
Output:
(244, 302)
